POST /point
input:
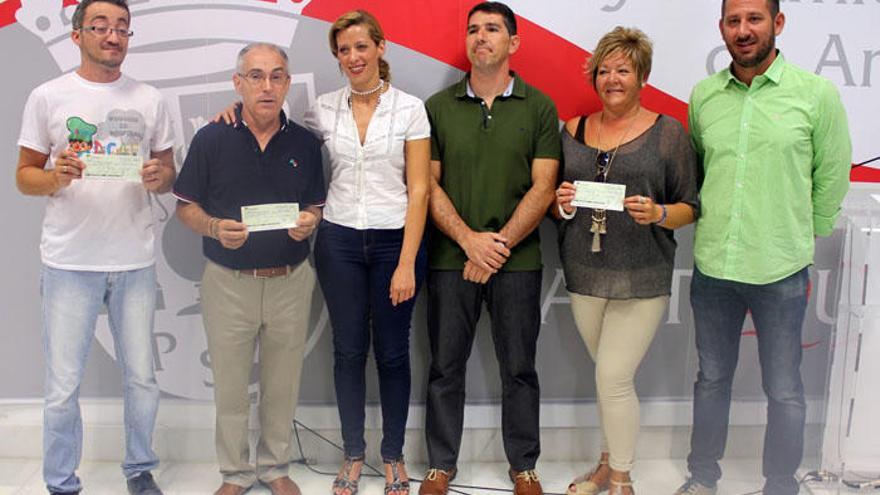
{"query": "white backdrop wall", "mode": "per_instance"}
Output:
(187, 48)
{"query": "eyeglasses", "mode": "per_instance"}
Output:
(105, 30)
(256, 77)
(603, 159)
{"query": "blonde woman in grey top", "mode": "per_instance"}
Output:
(618, 265)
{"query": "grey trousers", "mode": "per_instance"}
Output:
(241, 311)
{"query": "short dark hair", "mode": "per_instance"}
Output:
(497, 8)
(80, 13)
(773, 5)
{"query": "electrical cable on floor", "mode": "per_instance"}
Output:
(809, 477)
(453, 487)
(806, 478)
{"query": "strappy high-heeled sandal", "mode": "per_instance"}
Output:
(344, 481)
(619, 487)
(396, 485)
(582, 485)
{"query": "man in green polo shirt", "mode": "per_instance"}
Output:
(775, 152)
(495, 155)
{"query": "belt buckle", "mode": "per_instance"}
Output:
(271, 272)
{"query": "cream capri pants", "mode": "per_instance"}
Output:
(241, 311)
(618, 333)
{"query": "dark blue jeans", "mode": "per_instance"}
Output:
(354, 269)
(513, 300)
(777, 310)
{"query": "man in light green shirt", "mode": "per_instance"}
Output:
(775, 157)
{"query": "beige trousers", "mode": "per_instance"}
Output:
(618, 334)
(241, 311)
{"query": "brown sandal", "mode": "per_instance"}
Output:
(344, 480)
(396, 484)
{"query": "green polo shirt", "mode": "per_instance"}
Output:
(486, 162)
(775, 160)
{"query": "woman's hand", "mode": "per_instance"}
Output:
(642, 209)
(564, 197)
(403, 284)
(227, 114)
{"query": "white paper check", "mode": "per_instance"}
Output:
(599, 195)
(271, 216)
(112, 167)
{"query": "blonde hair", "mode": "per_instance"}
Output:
(361, 18)
(632, 43)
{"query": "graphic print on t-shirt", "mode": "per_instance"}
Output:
(121, 133)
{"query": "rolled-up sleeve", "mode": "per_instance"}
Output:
(832, 159)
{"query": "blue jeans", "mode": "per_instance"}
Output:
(354, 269)
(777, 310)
(71, 303)
(514, 303)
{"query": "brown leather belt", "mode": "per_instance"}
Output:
(275, 271)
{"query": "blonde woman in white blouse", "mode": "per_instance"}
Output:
(368, 253)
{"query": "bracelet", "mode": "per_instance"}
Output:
(212, 222)
(563, 214)
(662, 215)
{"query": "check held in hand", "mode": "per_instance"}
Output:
(272, 216)
(125, 168)
(599, 195)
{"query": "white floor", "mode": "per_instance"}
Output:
(652, 477)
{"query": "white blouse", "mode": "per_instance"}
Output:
(368, 182)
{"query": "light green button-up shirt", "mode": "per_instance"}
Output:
(775, 160)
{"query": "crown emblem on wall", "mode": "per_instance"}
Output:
(45, 18)
(154, 24)
(50, 20)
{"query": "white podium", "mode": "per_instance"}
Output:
(851, 440)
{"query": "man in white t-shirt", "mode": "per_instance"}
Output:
(97, 143)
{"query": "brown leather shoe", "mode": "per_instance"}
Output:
(231, 489)
(525, 482)
(283, 486)
(436, 482)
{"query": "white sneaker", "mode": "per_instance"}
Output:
(693, 487)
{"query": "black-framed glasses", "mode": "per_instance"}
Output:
(603, 159)
(256, 77)
(105, 30)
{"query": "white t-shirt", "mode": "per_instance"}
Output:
(95, 225)
(367, 182)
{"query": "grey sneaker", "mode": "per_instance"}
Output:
(143, 484)
(694, 487)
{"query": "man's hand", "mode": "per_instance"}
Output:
(472, 273)
(486, 250)
(231, 234)
(150, 175)
(68, 167)
(305, 225)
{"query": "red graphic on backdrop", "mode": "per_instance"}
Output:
(545, 59)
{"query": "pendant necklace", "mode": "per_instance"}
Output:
(599, 217)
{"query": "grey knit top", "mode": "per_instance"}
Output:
(636, 261)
